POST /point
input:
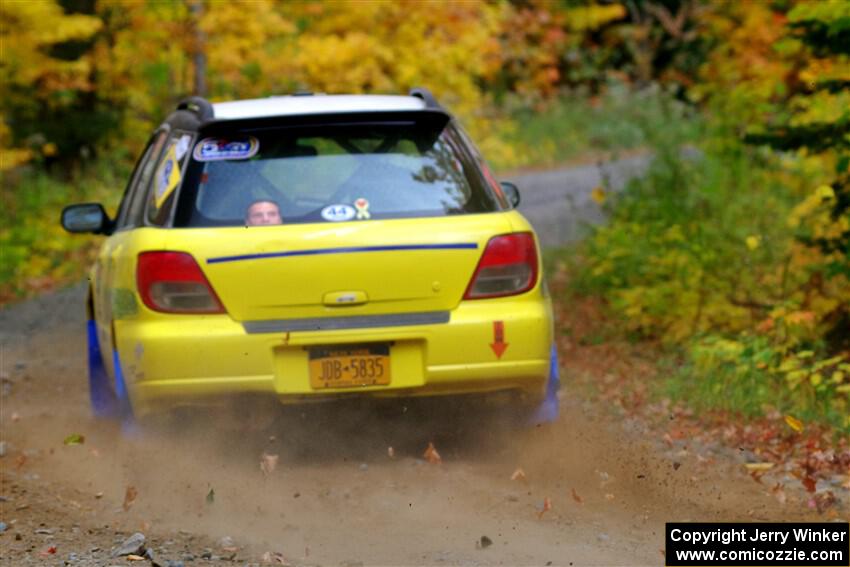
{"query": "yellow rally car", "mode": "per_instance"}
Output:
(311, 247)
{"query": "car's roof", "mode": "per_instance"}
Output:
(293, 105)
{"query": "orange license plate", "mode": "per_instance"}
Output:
(349, 366)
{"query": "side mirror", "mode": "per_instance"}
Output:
(511, 192)
(87, 217)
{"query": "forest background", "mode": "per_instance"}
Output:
(731, 255)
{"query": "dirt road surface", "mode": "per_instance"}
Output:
(594, 489)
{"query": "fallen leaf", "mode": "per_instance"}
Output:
(598, 195)
(676, 465)
(431, 455)
(129, 497)
(547, 505)
(20, 461)
(391, 452)
(779, 492)
(210, 496)
(753, 242)
(576, 497)
(825, 501)
(519, 474)
(759, 466)
(274, 557)
(268, 463)
(810, 483)
(74, 439)
(794, 423)
(756, 476)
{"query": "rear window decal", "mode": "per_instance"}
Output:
(219, 149)
(362, 206)
(338, 213)
(167, 177)
(183, 146)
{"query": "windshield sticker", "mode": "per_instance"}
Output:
(183, 146)
(337, 213)
(362, 206)
(218, 149)
(167, 176)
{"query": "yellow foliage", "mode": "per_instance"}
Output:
(10, 157)
(27, 31)
(583, 18)
(240, 36)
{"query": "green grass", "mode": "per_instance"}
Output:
(37, 254)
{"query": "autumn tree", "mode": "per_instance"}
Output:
(46, 82)
(817, 122)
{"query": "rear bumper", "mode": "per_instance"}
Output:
(178, 360)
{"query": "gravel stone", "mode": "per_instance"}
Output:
(130, 546)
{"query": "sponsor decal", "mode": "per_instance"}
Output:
(362, 206)
(167, 176)
(218, 149)
(338, 213)
(182, 146)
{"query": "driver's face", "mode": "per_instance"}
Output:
(263, 213)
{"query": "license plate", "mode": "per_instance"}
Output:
(349, 366)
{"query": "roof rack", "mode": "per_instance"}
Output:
(427, 96)
(198, 105)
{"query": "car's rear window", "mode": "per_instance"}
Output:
(332, 173)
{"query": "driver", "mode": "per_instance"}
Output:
(263, 212)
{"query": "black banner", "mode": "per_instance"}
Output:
(758, 544)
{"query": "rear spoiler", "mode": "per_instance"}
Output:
(200, 111)
(429, 118)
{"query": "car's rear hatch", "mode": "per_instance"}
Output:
(401, 266)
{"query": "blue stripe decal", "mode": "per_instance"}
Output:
(349, 250)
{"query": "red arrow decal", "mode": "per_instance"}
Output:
(499, 345)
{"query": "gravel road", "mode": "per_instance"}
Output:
(558, 203)
(338, 496)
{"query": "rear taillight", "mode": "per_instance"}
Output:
(507, 267)
(172, 282)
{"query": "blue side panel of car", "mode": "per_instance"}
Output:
(548, 411)
(102, 397)
(124, 408)
(107, 400)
